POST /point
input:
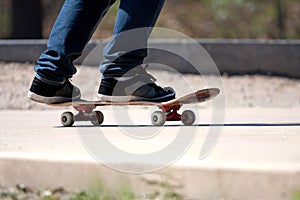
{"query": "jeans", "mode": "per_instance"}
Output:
(77, 22)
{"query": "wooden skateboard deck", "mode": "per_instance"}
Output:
(169, 109)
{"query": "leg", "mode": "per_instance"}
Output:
(126, 52)
(73, 28)
(137, 17)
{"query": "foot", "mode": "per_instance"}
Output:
(49, 94)
(140, 87)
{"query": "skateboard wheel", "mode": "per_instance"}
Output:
(67, 119)
(97, 118)
(188, 117)
(158, 118)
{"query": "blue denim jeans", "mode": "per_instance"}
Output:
(77, 22)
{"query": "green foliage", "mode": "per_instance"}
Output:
(83, 196)
(8, 196)
(5, 18)
(296, 195)
(271, 19)
(116, 196)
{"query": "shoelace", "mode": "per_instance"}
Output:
(145, 73)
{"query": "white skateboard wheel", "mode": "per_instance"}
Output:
(97, 118)
(158, 118)
(188, 117)
(67, 119)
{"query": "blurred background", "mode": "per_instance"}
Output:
(253, 19)
(255, 45)
(254, 39)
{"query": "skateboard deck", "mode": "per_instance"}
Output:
(168, 110)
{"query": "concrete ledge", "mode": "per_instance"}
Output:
(274, 57)
(190, 182)
(21, 50)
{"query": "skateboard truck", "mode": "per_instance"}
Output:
(85, 113)
(170, 113)
(158, 118)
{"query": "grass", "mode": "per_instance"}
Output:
(97, 190)
(87, 196)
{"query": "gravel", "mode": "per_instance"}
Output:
(22, 192)
(240, 91)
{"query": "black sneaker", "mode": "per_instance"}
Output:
(49, 94)
(140, 87)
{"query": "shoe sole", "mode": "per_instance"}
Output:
(107, 98)
(50, 100)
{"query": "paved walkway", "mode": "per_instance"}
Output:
(257, 154)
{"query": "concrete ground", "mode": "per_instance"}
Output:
(254, 155)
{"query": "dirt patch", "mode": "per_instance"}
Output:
(240, 91)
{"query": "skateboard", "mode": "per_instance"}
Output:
(168, 111)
